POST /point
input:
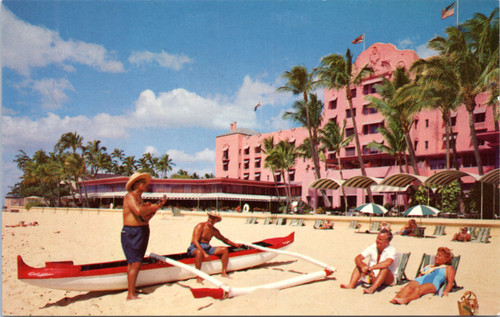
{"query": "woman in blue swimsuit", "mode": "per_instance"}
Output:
(430, 279)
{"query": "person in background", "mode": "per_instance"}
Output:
(461, 235)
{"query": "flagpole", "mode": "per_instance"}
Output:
(364, 38)
(457, 13)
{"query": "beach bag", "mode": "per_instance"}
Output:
(467, 305)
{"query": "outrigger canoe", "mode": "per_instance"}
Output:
(108, 276)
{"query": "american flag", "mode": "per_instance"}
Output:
(448, 11)
(359, 39)
(257, 106)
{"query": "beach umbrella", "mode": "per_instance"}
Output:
(421, 210)
(371, 209)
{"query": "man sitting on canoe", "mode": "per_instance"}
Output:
(135, 232)
(200, 247)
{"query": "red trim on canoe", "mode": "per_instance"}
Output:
(64, 269)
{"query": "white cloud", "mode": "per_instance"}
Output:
(423, 51)
(25, 46)
(52, 91)
(151, 149)
(181, 108)
(205, 155)
(405, 44)
(43, 133)
(163, 59)
(278, 123)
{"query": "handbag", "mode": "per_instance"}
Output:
(467, 305)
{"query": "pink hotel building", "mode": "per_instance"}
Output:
(239, 153)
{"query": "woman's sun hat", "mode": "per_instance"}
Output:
(135, 177)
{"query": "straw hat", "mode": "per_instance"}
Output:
(214, 214)
(135, 177)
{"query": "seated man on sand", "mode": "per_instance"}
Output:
(326, 225)
(409, 229)
(430, 279)
(461, 235)
(380, 269)
(200, 247)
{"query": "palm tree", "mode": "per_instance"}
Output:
(282, 157)
(97, 158)
(165, 165)
(333, 140)
(300, 81)
(129, 165)
(69, 140)
(336, 72)
(396, 144)
(398, 106)
(433, 93)
(148, 163)
(473, 57)
(267, 148)
(315, 110)
(119, 157)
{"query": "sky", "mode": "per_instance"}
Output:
(169, 76)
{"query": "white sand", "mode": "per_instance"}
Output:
(89, 237)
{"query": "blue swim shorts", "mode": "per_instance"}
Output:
(205, 246)
(134, 242)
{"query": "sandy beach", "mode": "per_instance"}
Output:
(93, 236)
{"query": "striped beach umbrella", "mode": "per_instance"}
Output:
(371, 209)
(421, 210)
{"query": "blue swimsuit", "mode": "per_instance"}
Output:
(436, 277)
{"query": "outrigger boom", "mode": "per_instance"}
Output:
(225, 291)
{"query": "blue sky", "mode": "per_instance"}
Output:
(169, 76)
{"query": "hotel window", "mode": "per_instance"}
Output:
(369, 150)
(353, 93)
(332, 104)
(257, 162)
(246, 151)
(453, 121)
(372, 128)
(426, 123)
(369, 89)
(291, 175)
(334, 119)
(415, 144)
(349, 131)
(479, 117)
(246, 176)
(348, 113)
(277, 176)
(257, 149)
(225, 155)
(369, 110)
(225, 166)
(416, 124)
(257, 177)
(350, 151)
(426, 145)
(246, 164)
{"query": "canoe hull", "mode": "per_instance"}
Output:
(113, 275)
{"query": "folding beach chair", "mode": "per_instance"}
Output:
(353, 224)
(419, 232)
(318, 223)
(280, 221)
(429, 259)
(249, 220)
(482, 236)
(401, 262)
(439, 230)
(297, 222)
(268, 221)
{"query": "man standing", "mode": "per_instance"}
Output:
(135, 232)
(380, 268)
(200, 247)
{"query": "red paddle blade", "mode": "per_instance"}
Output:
(217, 293)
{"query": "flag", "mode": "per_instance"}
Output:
(359, 39)
(448, 11)
(257, 106)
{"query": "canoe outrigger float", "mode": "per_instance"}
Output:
(157, 269)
